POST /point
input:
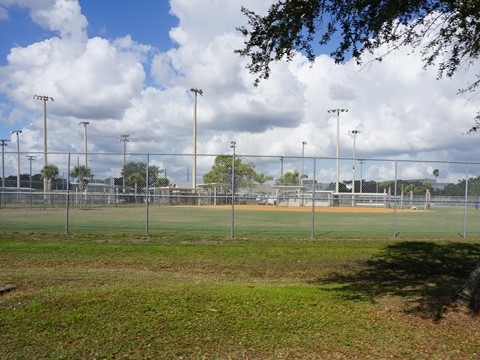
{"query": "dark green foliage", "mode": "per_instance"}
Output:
(289, 178)
(221, 172)
(140, 168)
(83, 174)
(446, 31)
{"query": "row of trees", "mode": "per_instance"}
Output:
(246, 177)
(135, 174)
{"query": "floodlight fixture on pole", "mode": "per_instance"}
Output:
(44, 98)
(124, 138)
(338, 111)
(194, 159)
(354, 133)
(85, 123)
(18, 132)
(3, 143)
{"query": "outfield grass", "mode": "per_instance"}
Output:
(101, 296)
(204, 221)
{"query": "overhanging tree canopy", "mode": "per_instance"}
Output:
(447, 33)
(446, 30)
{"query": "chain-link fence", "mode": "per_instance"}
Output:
(239, 195)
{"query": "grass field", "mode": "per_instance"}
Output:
(259, 221)
(211, 297)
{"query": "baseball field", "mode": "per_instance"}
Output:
(256, 221)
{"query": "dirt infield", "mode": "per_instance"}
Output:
(309, 208)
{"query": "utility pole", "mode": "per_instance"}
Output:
(124, 138)
(31, 158)
(3, 143)
(361, 162)
(18, 132)
(303, 161)
(194, 159)
(44, 98)
(85, 123)
(338, 111)
(354, 133)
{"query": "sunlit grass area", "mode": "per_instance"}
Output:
(101, 296)
(269, 222)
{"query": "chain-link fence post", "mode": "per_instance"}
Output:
(465, 203)
(232, 229)
(395, 201)
(67, 198)
(313, 196)
(147, 197)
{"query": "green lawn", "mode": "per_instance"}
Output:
(202, 221)
(193, 297)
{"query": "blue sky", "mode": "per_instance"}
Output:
(146, 21)
(128, 67)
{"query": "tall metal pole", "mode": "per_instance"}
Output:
(18, 132)
(361, 162)
(338, 111)
(44, 98)
(232, 232)
(85, 123)
(354, 133)
(303, 161)
(281, 170)
(3, 143)
(194, 159)
(124, 138)
(31, 158)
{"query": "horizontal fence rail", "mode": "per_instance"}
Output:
(239, 195)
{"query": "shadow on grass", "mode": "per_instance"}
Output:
(428, 274)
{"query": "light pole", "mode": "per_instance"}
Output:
(18, 132)
(281, 170)
(31, 158)
(354, 133)
(124, 138)
(3, 143)
(303, 161)
(194, 160)
(233, 145)
(361, 162)
(85, 123)
(338, 111)
(44, 98)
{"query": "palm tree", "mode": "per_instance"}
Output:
(136, 178)
(162, 182)
(262, 178)
(84, 174)
(385, 185)
(436, 173)
(49, 173)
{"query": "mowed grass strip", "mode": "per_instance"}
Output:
(97, 296)
(270, 222)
